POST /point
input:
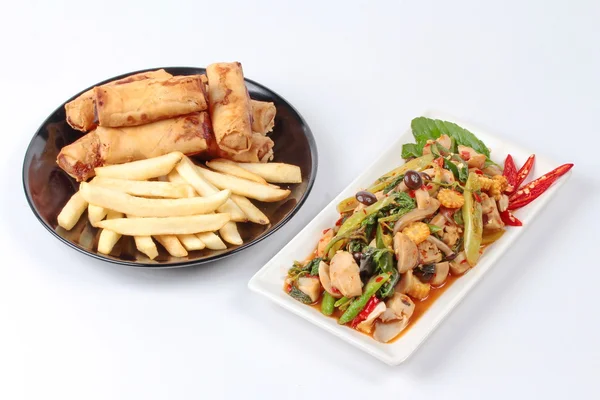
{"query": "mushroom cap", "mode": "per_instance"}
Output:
(406, 251)
(326, 280)
(384, 332)
(441, 273)
(345, 274)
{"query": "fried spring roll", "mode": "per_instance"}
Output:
(80, 112)
(150, 100)
(230, 109)
(261, 150)
(263, 116)
(189, 134)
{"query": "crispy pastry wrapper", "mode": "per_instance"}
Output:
(263, 116)
(261, 150)
(80, 112)
(149, 100)
(230, 109)
(190, 134)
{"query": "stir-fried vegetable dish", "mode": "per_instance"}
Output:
(413, 230)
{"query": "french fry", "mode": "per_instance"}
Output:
(230, 234)
(166, 226)
(192, 242)
(96, 214)
(230, 168)
(212, 241)
(243, 187)
(253, 213)
(274, 172)
(172, 245)
(108, 238)
(72, 211)
(147, 188)
(141, 207)
(141, 170)
(146, 245)
(174, 177)
(187, 170)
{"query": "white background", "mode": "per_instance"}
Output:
(75, 328)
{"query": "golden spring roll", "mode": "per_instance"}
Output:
(230, 109)
(80, 112)
(142, 102)
(261, 150)
(263, 116)
(189, 134)
(204, 80)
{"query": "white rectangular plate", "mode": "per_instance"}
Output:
(269, 280)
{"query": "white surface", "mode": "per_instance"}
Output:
(73, 328)
(270, 279)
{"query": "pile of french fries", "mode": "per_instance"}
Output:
(181, 205)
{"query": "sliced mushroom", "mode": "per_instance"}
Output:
(401, 187)
(384, 332)
(492, 220)
(503, 203)
(324, 241)
(441, 273)
(423, 199)
(429, 253)
(473, 158)
(416, 215)
(406, 252)
(492, 170)
(442, 246)
(447, 176)
(438, 220)
(412, 286)
(310, 286)
(345, 274)
(399, 306)
(367, 325)
(326, 280)
(459, 265)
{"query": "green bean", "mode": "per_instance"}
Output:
(327, 303)
(359, 304)
(341, 301)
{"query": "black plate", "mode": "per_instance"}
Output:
(47, 187)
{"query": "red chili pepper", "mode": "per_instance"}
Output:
(510, 173)
(325, 231)
(477, 197)
(465, 155)
(478, 172)
(411, 193)
(535, 188)
(335, 290)
(524, 171)
(339, 221)
(509, 219)
(288, 288)
(371, 304)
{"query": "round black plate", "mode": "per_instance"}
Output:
(48, 188)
